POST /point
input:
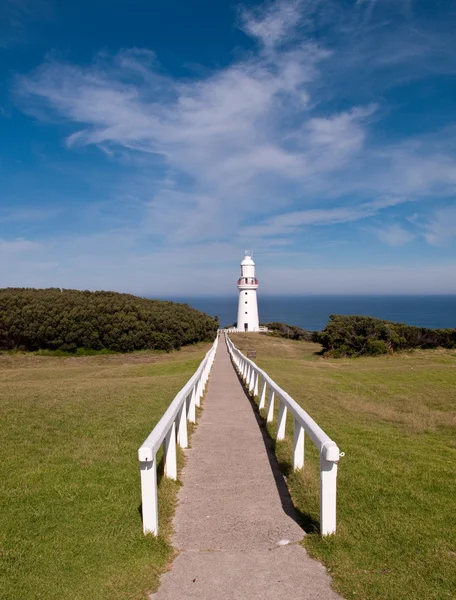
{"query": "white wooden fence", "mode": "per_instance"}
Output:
(260, 384)
(171, 427)
(261, 329)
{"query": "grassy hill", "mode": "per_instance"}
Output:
(394, 416)
(70, 522)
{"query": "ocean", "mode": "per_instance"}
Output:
(312, 312)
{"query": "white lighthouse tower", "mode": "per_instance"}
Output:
(248, 305)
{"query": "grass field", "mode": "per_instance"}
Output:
(395, 419)
(70, 492)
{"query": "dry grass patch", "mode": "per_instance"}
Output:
(395, 418)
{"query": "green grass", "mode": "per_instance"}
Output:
(395, 418)
(77, 352)
(70, 491)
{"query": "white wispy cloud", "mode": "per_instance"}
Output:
(394, 235)
(275, 23)
(221, 132)
(18, 245)
(285, 224)
(24, 214)
(441, 228)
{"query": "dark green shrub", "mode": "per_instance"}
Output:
(65, 320)
(291, 332)
(375, 347)
(356, 336)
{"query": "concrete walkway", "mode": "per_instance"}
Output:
(234, 525)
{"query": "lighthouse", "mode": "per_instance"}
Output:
(248, 305)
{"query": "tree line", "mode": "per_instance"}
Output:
(65, 320)
(357, 336)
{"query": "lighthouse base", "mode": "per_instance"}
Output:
(247, 319)
(261, 329)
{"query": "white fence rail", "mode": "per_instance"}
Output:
(172, 427)
(261, 329)
(260, 384)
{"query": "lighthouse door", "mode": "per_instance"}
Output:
(246, 326)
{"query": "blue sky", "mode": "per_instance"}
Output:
(144, 145)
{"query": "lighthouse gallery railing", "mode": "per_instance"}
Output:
(171, 427)
(262, 385)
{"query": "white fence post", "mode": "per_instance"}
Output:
(255, 387)
(182, 433)
(298, 445)
(191, 416)
(149, 496)
(251, 384)
(282, 420)
(270, 416)
(170, 453)
(203, 381)
(199, 392)
(263, 394)
(328, 492)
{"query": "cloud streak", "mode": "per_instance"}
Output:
(394, 235)
(441, 229)
(288, 223)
